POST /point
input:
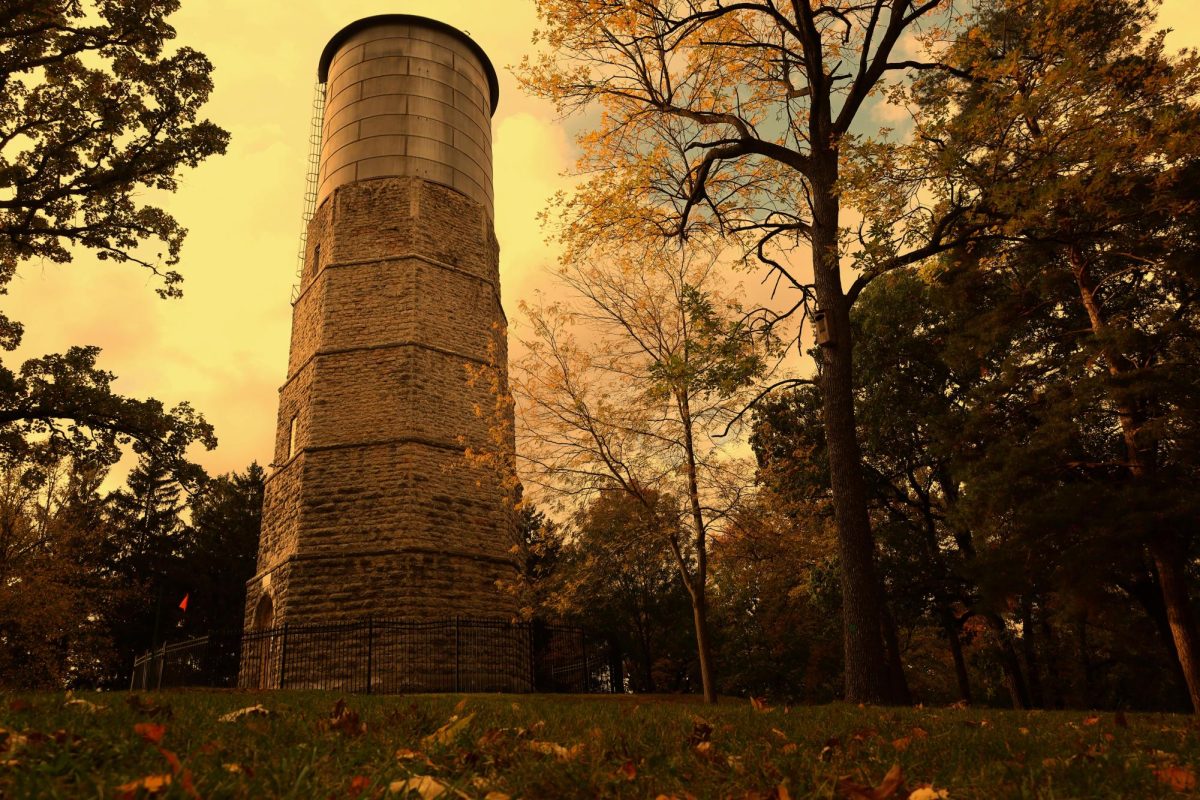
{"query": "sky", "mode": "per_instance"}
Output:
(223, 346)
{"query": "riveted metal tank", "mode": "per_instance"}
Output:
(407, 96)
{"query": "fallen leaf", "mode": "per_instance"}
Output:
(152, 784)
(1091, 721)
(404, 754)
(344, 720)
(359, 784)
(556, 750)
(148, 708)
(428, 788)
(855, 791)
(1023, 731)
(450, 731)
(927, 792)
(779, 734)
(460, 706)
(789, 748)
(497, 795)
(759, 704)
(701, 732)
(150, 731)
(628, 771)
(250, 711)
(1180, 779)
(902, 743)
(80, 703)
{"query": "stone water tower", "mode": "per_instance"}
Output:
(372, 508)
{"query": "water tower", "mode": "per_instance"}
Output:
(372, 508)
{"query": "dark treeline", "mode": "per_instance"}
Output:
(90, 578)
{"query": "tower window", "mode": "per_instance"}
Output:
(292, 439)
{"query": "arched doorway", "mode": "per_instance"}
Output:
(264, 620)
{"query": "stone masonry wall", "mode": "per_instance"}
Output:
(378, 512)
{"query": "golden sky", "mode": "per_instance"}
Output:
(223, 346)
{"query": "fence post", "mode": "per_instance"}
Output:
(283, 656)
(457, 655)
(370, 649)
(162, 658)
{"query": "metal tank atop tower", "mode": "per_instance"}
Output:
(407, 95)
(372, 509)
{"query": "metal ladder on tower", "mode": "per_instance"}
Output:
(315, 130)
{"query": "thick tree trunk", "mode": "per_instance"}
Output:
(1165, 546)
(867, 674)
(1168, 560)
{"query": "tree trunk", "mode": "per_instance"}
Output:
(1029, 653)
(1013, 678)
(698, 587)
(867, 673)
(897, 683)
(1165, 546)
(704, 649)
(950, 626)
(1168, 560)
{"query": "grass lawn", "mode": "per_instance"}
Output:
(174, 744)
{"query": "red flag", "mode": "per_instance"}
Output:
(183, 603)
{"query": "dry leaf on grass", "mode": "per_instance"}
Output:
(759, 704)
(628, 771)
(81, 704)
(927, 792)
(892, 782)
(149, 708)
(426, 786)
(497, 795)
(1180, 779)
(556, 750)
(450, 731)
(151, 784)
(255, 710)
(404, 754)
(150, 731)
(343, 720)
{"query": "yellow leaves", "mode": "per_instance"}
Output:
(928, 792)
(449, 732)
(556, 750)
(255, 710)
(151, 784)
(83, 705)
(425, 786)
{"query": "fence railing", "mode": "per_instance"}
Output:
(390, 656)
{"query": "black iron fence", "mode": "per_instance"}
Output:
(391, 656)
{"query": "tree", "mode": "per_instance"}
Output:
(734, 121)
(638, 407)
(617, 575)
(1081, 132)
(92, 112)
(220, 550)
(56, 583)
